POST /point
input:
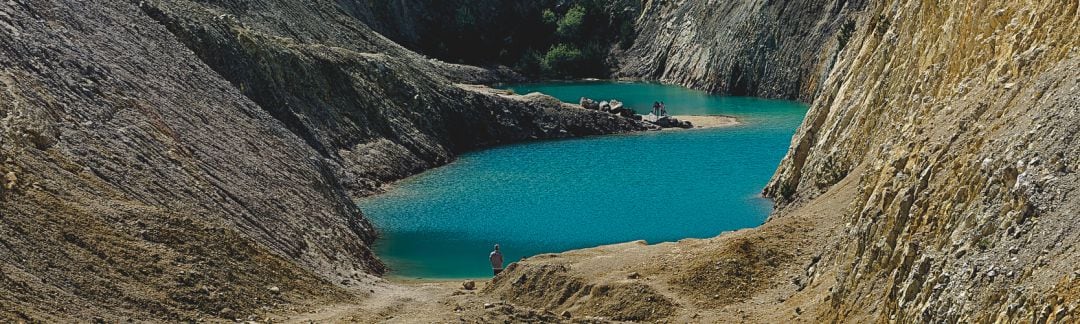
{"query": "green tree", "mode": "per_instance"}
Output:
(562, 60)
(529, 64)
(549, 17)
(569, 27)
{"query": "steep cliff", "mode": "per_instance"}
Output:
(169, 160)
(775, 49)
(963, 118)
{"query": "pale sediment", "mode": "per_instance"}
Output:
(708, 121)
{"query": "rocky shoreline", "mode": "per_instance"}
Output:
(616, 108)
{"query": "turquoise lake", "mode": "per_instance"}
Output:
(553, 196)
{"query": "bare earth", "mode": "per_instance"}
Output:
(708, 121)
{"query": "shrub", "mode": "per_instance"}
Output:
(529, 64)
(569, 27)
(549, 17)
(562, 59)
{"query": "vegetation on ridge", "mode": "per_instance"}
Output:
(545, 39)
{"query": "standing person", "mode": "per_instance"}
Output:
(663, 109)
(496, 259)
(656, 108)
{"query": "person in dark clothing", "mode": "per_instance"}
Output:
(496, 259)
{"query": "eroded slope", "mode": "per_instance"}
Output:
(167, 160)
(142, 185)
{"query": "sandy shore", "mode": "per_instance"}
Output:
(708, 121)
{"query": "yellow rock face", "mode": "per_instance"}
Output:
(964, 116)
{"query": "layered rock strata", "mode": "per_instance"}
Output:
(774, 49)
(964, 117)
(167, 160)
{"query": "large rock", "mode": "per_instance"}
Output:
(776, 49)
(589, 104)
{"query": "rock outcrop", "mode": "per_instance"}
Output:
(774, 49)
(171, 160)
(963, 118)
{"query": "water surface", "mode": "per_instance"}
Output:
(553, 196)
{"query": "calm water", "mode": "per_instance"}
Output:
(554, 196)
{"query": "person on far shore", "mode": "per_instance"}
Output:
(496, 259)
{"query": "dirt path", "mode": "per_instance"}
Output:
(390, 303)
(407, 301)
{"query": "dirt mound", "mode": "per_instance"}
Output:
(551, 287)
(736, 270)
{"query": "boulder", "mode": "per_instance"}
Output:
(10, 180)
(624, 112)
(589, 104)
(615, 104)
(227, 313)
